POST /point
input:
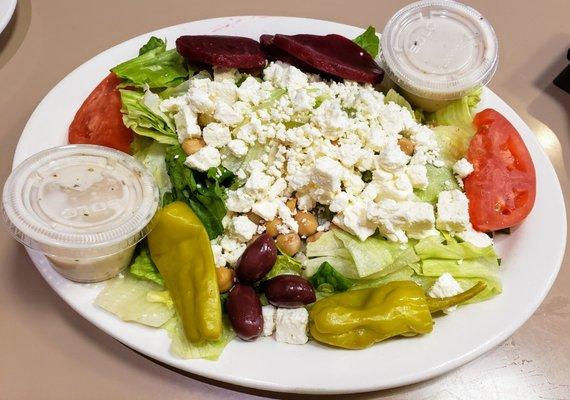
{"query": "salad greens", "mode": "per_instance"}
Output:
(152, 155)
(328, 279)
(285, 265)
(458, 113)
(142, 116)
(395, 97)
(203, 192)
(439, 179)
(143, 267)
(155, 67)
(369, 41)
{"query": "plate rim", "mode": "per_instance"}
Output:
(449, 365)
(5, 20)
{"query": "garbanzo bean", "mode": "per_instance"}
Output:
(291, 204)
(191, 146)
(271, 227)
(225, 278)
(407, 146)
(314, 237)
(253, 217)
(290, 243)
(307, 223)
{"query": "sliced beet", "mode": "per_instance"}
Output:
(275, 53)
(221, 51)
(331, 54)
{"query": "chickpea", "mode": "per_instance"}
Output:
(256, 219)
(314, 237)
(307, 223)
(191, 146)
(290, 243)
(407, 146)
(225, 277)
(291, 204)
(253, 238)
(271, 227)
(205, 119)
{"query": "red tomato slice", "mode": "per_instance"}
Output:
(502, 188)
(99, 119)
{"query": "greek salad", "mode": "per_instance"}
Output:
(302, 197)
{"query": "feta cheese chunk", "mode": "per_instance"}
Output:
(476, 238)
(396, 219)
(239, 201)
(237, 147)
(418, 175)
(268, 313)
(216, 135)
(353, 219)
(266, 209)
(186, 122)
(392, 158)
(463, 168)
(226, 114)
(258, 184)
(327, 174)
(204, 159)
(291, 325)
(452, 211)
(243, 228)
(445, 286)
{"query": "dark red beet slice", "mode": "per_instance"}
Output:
(221, 51)
(275, 53)
(332, 54)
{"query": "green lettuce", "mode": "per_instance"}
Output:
(141, 114)
(450, 249)
(369, 41)
(155, 67)
(453, 143)
(327, 279)
(285, 265)
(205, 193)
(439, 179)
(458, 113)
(394, 97)
(209, 350)
(143, 267)
(152, 155)
(128, 298)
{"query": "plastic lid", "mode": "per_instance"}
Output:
(439, 49)
(80, 201)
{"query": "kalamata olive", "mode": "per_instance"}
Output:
(244, 310)
(257, 260)
(289, 291)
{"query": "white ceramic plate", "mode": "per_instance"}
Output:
(7, 8)
(531, 258)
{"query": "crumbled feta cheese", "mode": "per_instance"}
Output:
(287, 218)
(331, 119)
(327, 174)
(237, 147)
(452, 211)
(476, 238)
(445, 286)
(204, 159)
(243, 228)
(417, 173)
(266, 209)
(186, 123)
(268, 312)
(257, 184)
(463, 168)
(222, 74)
(239, 201)
(340, 202)
(250, 91)
(219, 258)
(305, 202)
(199, 96)
(216, 135)
(226, 114)
(291, 325)
(353, 219)
(277, 188)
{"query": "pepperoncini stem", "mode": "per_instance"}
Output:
(436, 304)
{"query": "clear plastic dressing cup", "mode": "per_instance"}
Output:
(85, 207)
(438, 51)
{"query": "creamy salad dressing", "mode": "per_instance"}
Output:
(84, 206)
(437, 51)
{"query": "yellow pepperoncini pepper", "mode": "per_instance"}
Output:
(180, 248)
(359, 318)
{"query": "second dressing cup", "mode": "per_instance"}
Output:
(85, 207)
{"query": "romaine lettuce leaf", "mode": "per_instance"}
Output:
(127, 298)
(143, 267)
(182, 348)
(143, 121)
(369, 41)
(155, 67)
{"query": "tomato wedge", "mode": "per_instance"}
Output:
(502, 188)
(99, 119)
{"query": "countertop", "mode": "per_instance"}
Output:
(47, 351)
